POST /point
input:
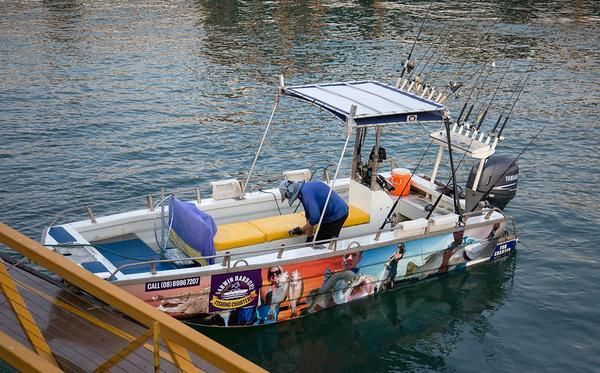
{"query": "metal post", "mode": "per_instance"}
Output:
(91, 215)
(356, 154)
(478, 175)
(456, 204)
(349, 125)
(198, 199)
(162, 219)
(333, 245)
(375, 161)
(436, 165)
(149, 202)
(226, 259)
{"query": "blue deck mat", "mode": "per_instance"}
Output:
(94, 267)
(119, 253)
(61, 235)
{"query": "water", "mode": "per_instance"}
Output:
(101, 101)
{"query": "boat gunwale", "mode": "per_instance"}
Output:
(207, 270)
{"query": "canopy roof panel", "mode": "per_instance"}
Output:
(376, 103)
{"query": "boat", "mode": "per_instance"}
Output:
(232, 260)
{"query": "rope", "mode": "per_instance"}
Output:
(261, 143)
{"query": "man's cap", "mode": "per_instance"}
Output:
(289, 190)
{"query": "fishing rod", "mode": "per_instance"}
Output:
(452, 177)
(482, 116)
(434, 51)
(514, 103)
(429, 81)
(466, 118)
(455, 86)
(437, 201)
(487, 75)
(508, 168)
(407, 64)
(483, 37)
(447, 36)
(514, 92)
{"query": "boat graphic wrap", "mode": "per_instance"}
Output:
(503, 249)
(172, 284)
(234, 290)
(282, 292)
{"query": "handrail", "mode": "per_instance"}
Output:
(141, 197)
(281, 249)
(171, 329)
(108, 203)
(22, 358)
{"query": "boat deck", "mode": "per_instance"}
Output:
(130, 251)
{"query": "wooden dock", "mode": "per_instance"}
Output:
(46, 326)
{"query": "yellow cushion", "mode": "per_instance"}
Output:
(236, 235)
(273, 228)
(356, 216)
(277, 227)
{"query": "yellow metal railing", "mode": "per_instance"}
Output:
(22, 357)
(24, 317)
(173, 333)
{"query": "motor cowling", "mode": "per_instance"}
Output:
(497, 185)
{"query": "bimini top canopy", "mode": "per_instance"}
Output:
(376, 103)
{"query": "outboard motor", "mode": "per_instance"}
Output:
(499, 178)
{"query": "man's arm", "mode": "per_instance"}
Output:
(308, 228)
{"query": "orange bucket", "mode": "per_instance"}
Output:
(400, 180)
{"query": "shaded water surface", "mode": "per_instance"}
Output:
(103, 101)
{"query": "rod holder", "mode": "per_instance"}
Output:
(226, 259)
(198, 199)
(91, 215)
(326, 175)
(280, 252)
(153, 268)
(403, 84)
(149, 202)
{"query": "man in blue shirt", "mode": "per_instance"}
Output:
(313, 195)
